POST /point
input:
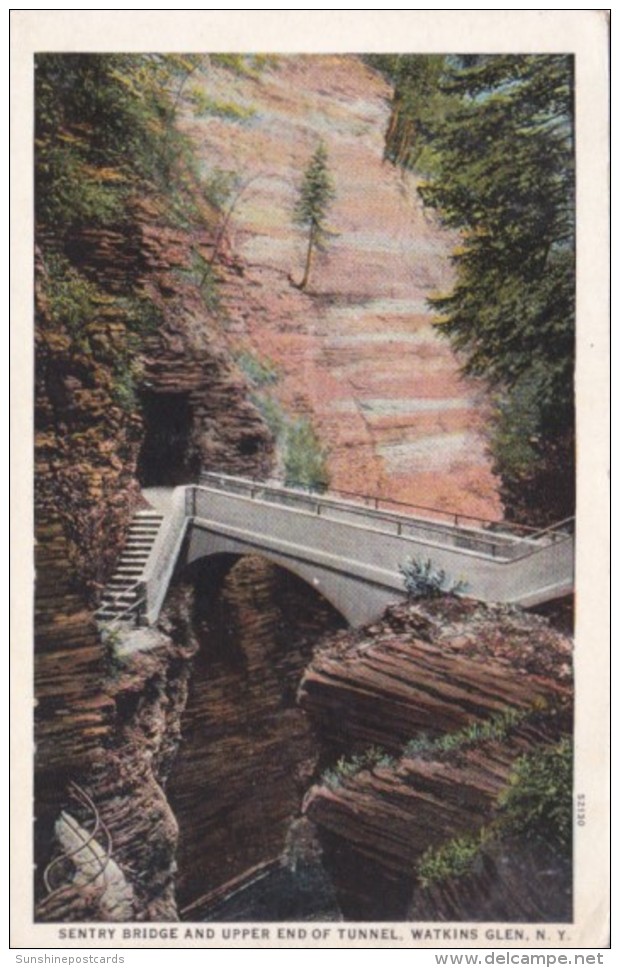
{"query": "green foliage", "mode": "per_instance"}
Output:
(516, 428)
(206, 106)
(370, 758)
(536, 804)
(422, 580)
(104, 126)
(126, 377)
(454, 858)
(496, 729)
(209, 286)
(245, 65)
(304, 458)
(533, 461)
(503, 176)
(142, 316)
(305, 462)
(272, 413)
(492, 730)
(417, 103)
(316, 192)
(260, 371)
(219, 186)
(72, 300)
(203, 275)
(315, 196)
(538, 800)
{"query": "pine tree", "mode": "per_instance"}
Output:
(503, 176)
(316, 194)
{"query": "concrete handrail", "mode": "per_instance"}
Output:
(368, 502)
(371, 551)
(164, 553)
(123, 610)
(501, 546)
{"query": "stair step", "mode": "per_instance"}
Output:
(119, 594)
(118, 605)
(121, 591)
(111, 616)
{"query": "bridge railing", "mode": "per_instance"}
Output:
(371, 545)
(477, 535)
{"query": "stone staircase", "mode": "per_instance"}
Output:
(120, 598)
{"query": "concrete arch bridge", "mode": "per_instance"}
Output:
(349, 548)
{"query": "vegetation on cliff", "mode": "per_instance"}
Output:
(316, 194)
(447, 787)
(120, 200)
(493, 136)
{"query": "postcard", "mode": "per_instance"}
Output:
(310, 318)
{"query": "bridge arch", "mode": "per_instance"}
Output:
(355, 601)
(220, 564)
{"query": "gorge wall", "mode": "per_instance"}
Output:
(357, 352)
(421, 719)
(90, 450)
(200, 748)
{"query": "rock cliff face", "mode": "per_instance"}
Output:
(124, 783)
(247, 752)
(424, 673)
(186, 746)
(356, 351)
(92, 452)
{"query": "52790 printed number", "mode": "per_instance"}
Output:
(581, 810)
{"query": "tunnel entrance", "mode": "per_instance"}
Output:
(167, 457)
(247, 752)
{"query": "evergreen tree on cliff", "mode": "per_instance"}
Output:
(316, 194)
(502, 174)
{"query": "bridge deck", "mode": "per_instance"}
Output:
(352, 550)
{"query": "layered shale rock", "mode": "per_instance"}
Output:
(357, 352)
(431, 669)
(119, 802)
(422, 674)
(95, 443)
(247, 752)
(512, 880)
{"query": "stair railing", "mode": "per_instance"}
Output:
(163, 556)
(121, 614)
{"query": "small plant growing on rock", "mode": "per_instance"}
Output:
(305, 459)
(373, 756)
(260, 371)
(453, 859)
(422, 580)
(538, 801)
(496, 729)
